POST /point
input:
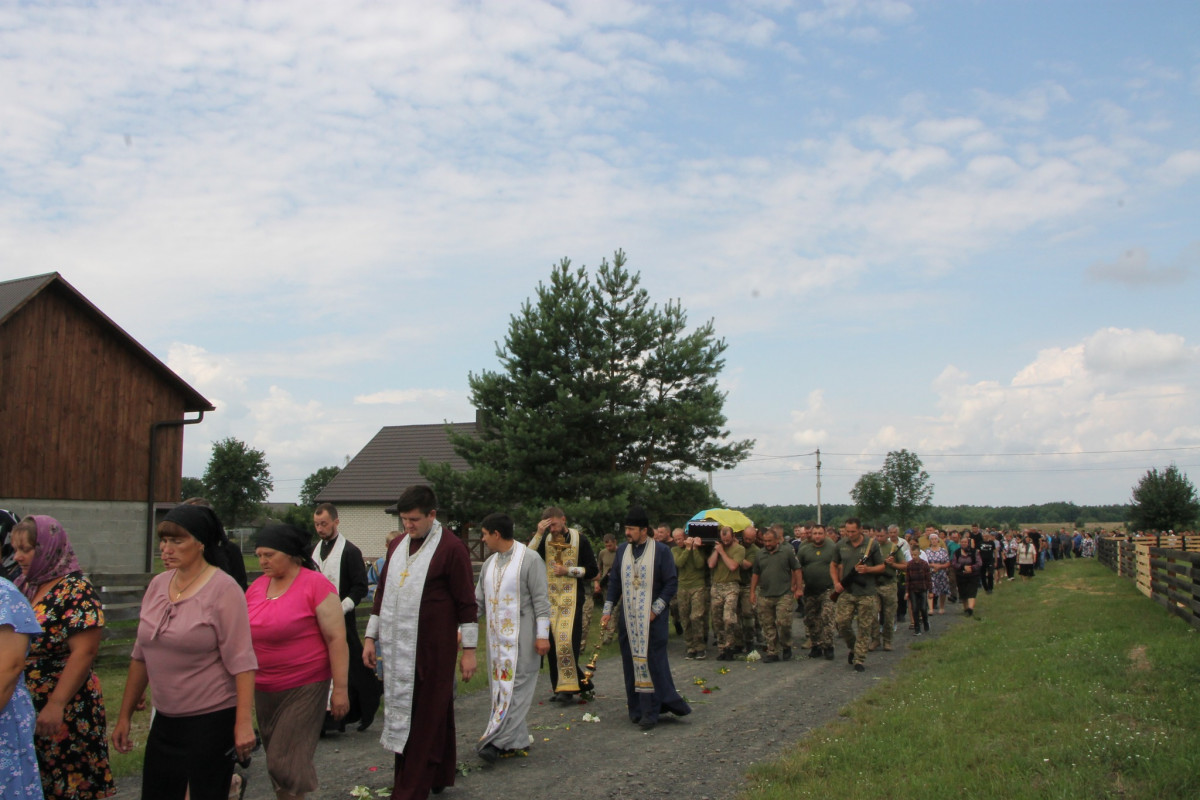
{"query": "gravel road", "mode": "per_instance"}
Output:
(753, 713)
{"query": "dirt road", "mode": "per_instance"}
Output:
(752, 713)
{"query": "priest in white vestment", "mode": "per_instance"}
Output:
(512, 594)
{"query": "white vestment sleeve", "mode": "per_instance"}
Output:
(372, 627)
(470, 634)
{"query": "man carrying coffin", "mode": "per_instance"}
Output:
(570, 568)
(512, 594)
(342, 563)
(643, 578)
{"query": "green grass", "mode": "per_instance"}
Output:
(1071, 685)
(112, 684)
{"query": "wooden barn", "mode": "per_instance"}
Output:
(91, 423)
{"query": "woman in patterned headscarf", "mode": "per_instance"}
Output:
(72, 752)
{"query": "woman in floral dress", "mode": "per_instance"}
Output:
(70, 729)
(19, 779)
(939, 561)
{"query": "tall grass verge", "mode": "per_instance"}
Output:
(1072, 685)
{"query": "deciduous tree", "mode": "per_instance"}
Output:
(910, 482)
(1164, 501)
(314, 483)
(236, 481)
(874, 497)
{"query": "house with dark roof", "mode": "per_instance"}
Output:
(91, 423)
(366, 489)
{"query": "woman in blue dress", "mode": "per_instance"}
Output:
(19, 776)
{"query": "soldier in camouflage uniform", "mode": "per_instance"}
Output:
(816, 585)
(856, 562)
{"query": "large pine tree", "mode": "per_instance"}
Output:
(602, 398)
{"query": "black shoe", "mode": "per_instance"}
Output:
(635, 718)
(701, 655)
(927, 627)
(850, 657)
(815, 652)
(679, 708)
(859, 668)
(647, 724)
(690, 656)
(917, 632)
(829, 654)
(725, 655)
(489, 753)
(439, 789)
(787, 654)
(770, 659)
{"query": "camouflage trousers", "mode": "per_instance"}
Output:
(748, 617)
(887, 616)
(589, 605)
(610, 632)
(863, 610)
(692, 605)
(725, 622)
(775, 616)
(818, 618)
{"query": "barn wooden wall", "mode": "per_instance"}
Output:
(77, 405)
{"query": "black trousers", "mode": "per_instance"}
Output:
(188, 753)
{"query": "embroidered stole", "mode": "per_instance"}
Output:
(502, 596)
(564, 594)
(399, 615)
(637, 593)
(331, 567)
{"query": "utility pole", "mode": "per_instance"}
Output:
(818, 486)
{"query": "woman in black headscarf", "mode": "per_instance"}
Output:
(300, 641)
(194, 649)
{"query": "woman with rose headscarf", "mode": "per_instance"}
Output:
(300, 640)
(71, 749)
(193, 648)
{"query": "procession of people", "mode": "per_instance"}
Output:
(286, 652)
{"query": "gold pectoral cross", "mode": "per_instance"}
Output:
(404, 576)
(637, 581)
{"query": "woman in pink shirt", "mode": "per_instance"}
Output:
(193, 648)
(300, 640)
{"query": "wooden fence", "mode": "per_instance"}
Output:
(1165, 568)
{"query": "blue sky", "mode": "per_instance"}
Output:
(964, 228)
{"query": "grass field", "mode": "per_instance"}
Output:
(1072, 685)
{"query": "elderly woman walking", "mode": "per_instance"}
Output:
(300, 640)
(72, 751)
(939, 565)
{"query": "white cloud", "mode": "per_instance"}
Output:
(403, 396)
(1126, 351)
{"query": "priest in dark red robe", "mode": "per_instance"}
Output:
(425, 594)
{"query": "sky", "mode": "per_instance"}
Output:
(968, 229)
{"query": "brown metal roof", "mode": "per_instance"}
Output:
(16, 293)
(391, 462)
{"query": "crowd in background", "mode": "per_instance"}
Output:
(214, 653)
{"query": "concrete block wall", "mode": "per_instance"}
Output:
(107, 536)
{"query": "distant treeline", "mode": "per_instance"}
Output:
(987, 516)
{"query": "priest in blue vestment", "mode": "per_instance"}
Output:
(643, 577)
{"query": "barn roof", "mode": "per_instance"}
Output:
(15, 294)
(391, 462)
